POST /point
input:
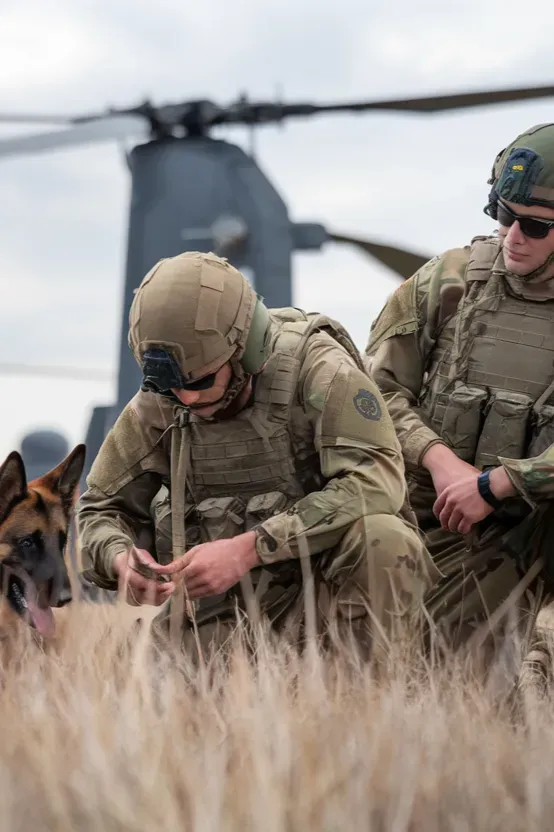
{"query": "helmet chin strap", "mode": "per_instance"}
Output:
(540, 270)
(238, 382)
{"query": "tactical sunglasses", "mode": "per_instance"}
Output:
(203, 383)
(161, 374)
(530, 226)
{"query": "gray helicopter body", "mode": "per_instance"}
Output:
(201, 194)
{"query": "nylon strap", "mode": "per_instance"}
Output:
(180, 451)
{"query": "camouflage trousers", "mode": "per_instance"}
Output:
(491, 590)
(361, 594)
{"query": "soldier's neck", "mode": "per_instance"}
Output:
(239, 403)
(538, 286)
(245, 395)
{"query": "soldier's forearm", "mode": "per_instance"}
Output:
(397, 369)
(413, 434)
(102, 538)
(108, 524)
(438, 457)
(284, 537)
(318, 521)
(532, 478)
(104, 531)
(501, 485)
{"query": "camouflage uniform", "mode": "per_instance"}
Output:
(463, 353)
(312, 463)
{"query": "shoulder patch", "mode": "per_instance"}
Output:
(355, 413)
(367, 404)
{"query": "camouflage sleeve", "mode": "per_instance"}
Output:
(533, 478)
(360, 457)
(401, 339)
(114, 512)
(108, 525)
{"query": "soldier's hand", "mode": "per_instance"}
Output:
(138, 582)
(460, 505)
(446, 468)
(213, 568)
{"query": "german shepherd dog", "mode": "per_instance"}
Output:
(34, 523)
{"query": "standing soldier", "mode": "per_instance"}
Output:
(260, 432)
(463, 353)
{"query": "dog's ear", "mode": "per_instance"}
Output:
(64, 478)
(13, 483)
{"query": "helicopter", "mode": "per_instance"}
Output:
(190, 191)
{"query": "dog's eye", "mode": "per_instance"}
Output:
(26, 542)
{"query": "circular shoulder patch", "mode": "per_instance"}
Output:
(366, 403)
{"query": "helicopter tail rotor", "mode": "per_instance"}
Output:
(400, 260)
(311, 236)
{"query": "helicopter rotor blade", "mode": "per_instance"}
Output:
(402, 261)
(197, 117)
(26, 118)
(200, 115)
(51, 371)
(108, 129)
(426, 104)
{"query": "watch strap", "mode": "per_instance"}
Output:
(484, 486)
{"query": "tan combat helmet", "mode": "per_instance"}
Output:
(524, 171)
(190, 315)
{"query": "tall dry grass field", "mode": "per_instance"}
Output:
(95, 737)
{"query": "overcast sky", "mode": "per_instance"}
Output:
(417, 181)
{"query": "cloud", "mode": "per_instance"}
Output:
(39, 43)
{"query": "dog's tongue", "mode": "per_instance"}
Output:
(42, 619)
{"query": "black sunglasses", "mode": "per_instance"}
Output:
(161, 374)
(530, 226)
(203, 383)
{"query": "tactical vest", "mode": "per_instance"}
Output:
(243, 470)
(256, 451)
(487, 386)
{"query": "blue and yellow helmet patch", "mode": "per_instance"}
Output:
(519, 175)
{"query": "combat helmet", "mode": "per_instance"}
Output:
(524, 171)
(190, 315)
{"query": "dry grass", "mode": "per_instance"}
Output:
(95, 738)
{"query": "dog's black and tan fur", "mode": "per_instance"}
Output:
(34, 523)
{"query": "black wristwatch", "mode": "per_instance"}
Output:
(484, 486)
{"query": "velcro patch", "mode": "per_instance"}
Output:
(355, 410)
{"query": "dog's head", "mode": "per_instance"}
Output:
(34, 522)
